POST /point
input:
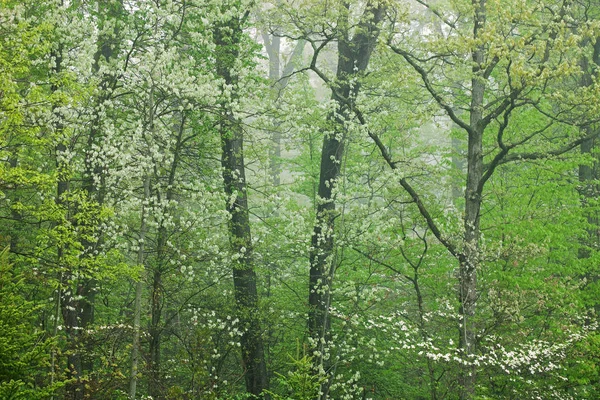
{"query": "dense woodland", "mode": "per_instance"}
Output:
(299, 199)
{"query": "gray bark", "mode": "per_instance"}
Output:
(137, 308)
(469, 262)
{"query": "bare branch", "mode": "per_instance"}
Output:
(291, 64)
(437, 14)
(547, 154)
(409, 189)
(436, 96)
(384, 264)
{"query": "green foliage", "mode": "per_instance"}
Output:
(23, 347)
(105, 122)
(300, 382)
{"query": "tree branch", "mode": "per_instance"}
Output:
(436, 96)
(384, 264)
(437, 14)
(546, 154)
(409, 189)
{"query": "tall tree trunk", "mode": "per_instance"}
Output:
(155, 331)
(353, 58)
(589, 173)
(156, 303)
(469, 262)
(74, 390)
(107, 47)
(272, 45)
(228, 39)
(137, 308)
(244, 276)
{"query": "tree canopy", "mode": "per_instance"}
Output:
(298, 199)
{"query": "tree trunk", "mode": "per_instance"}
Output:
(155, 381)
(244, 276)
(589, 173)
(228, 39)
(137, 308)
(154, 378)
(469, 262)
(353, 58)
(279, 80)
(69, 305)
(106, 49)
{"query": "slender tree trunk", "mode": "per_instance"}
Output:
(433, 383)
(469, 262)
(458, 163)
(154, 376)
(155, 383)
(272, 45)
(589, 173)
(227, 39)
(74, 390)
(137, 308)
(353, 58)
(279, 81)
(154, 331)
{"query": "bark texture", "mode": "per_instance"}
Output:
(354, 54)
(228, 40)
(469, 262)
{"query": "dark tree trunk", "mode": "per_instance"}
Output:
(590, 174)
(93, 175)
(69, 306)
(228, 39)
(155, 383)
(154, 376)
(353, 58)
(244, 276)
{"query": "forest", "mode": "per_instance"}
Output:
(299, 199)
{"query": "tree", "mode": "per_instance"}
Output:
(354, 51)
(229, 39)
(518, 70)
(167, 184)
